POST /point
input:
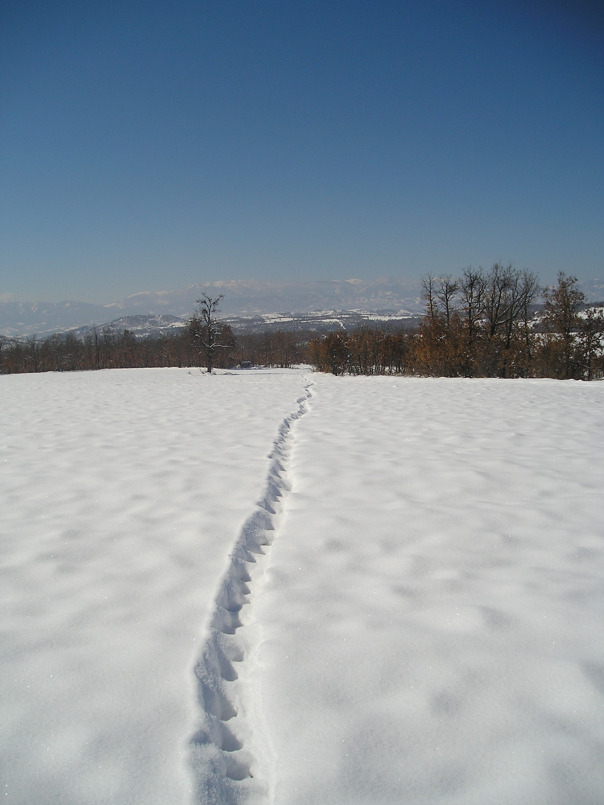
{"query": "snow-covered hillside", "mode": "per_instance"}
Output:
(284, 587)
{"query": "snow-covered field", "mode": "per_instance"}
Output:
(284, 587)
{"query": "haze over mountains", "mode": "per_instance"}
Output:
(242, 298)
(245, 299)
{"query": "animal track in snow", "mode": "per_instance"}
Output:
(231, 760)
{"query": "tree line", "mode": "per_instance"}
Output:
(104, 349)
(481, 324)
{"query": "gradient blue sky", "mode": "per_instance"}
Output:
(152, 145)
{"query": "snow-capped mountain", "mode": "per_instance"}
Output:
(247, 300)
(242, 298)
(254, 297)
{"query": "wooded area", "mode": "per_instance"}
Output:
(104, 349)
(482, 324)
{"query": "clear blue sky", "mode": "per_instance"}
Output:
(151, 145)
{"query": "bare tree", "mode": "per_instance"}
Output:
(472, 289)
(498, 294)
(429, 294)
(524, 289)
(508, 295)
(205, 328)
(446, 293)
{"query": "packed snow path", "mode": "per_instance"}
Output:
(231, 754)
(425, 628)
(122, 494)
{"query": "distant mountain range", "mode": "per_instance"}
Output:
(242, 299)
(253, 303)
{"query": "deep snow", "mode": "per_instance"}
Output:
(287, 587)
(433, 616)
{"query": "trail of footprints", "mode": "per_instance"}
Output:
(230, 759)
